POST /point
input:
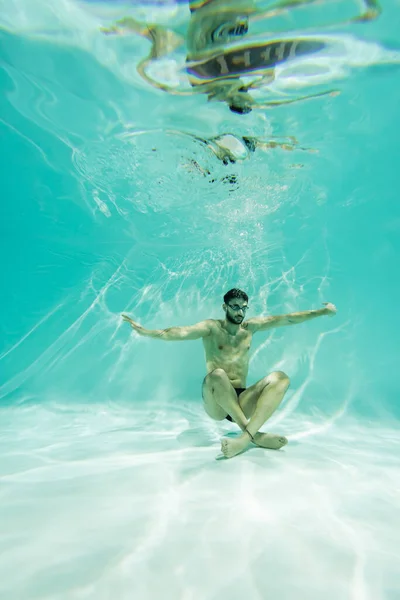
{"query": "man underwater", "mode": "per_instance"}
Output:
(227, 343)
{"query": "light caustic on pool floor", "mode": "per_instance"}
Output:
(96, 501)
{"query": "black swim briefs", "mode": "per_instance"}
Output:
(238, 392)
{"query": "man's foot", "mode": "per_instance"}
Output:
(231, 447)
(270, 440)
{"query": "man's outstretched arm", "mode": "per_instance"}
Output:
(264, 323)
(173, 334)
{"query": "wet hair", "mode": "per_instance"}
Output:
(235, 293)
(241, 110)
(239, 104)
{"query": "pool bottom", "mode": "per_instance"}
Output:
(106, 502)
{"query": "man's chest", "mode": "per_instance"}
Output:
(232, 344)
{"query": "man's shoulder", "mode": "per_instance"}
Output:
(214, 324)
(248, 326)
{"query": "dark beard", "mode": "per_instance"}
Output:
(229, 318)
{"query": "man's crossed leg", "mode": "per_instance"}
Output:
(250, 410)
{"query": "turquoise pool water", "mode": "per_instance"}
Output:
(113, 200)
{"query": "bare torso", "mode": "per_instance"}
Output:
(228, 352)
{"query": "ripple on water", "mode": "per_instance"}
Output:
(162, 171)
(149, 172)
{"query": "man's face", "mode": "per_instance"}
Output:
(236, 310)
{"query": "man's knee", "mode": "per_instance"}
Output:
(279, 378)
(216, 375)
(215, 380)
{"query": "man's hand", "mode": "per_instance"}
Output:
(330, 309)
(132, 323)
